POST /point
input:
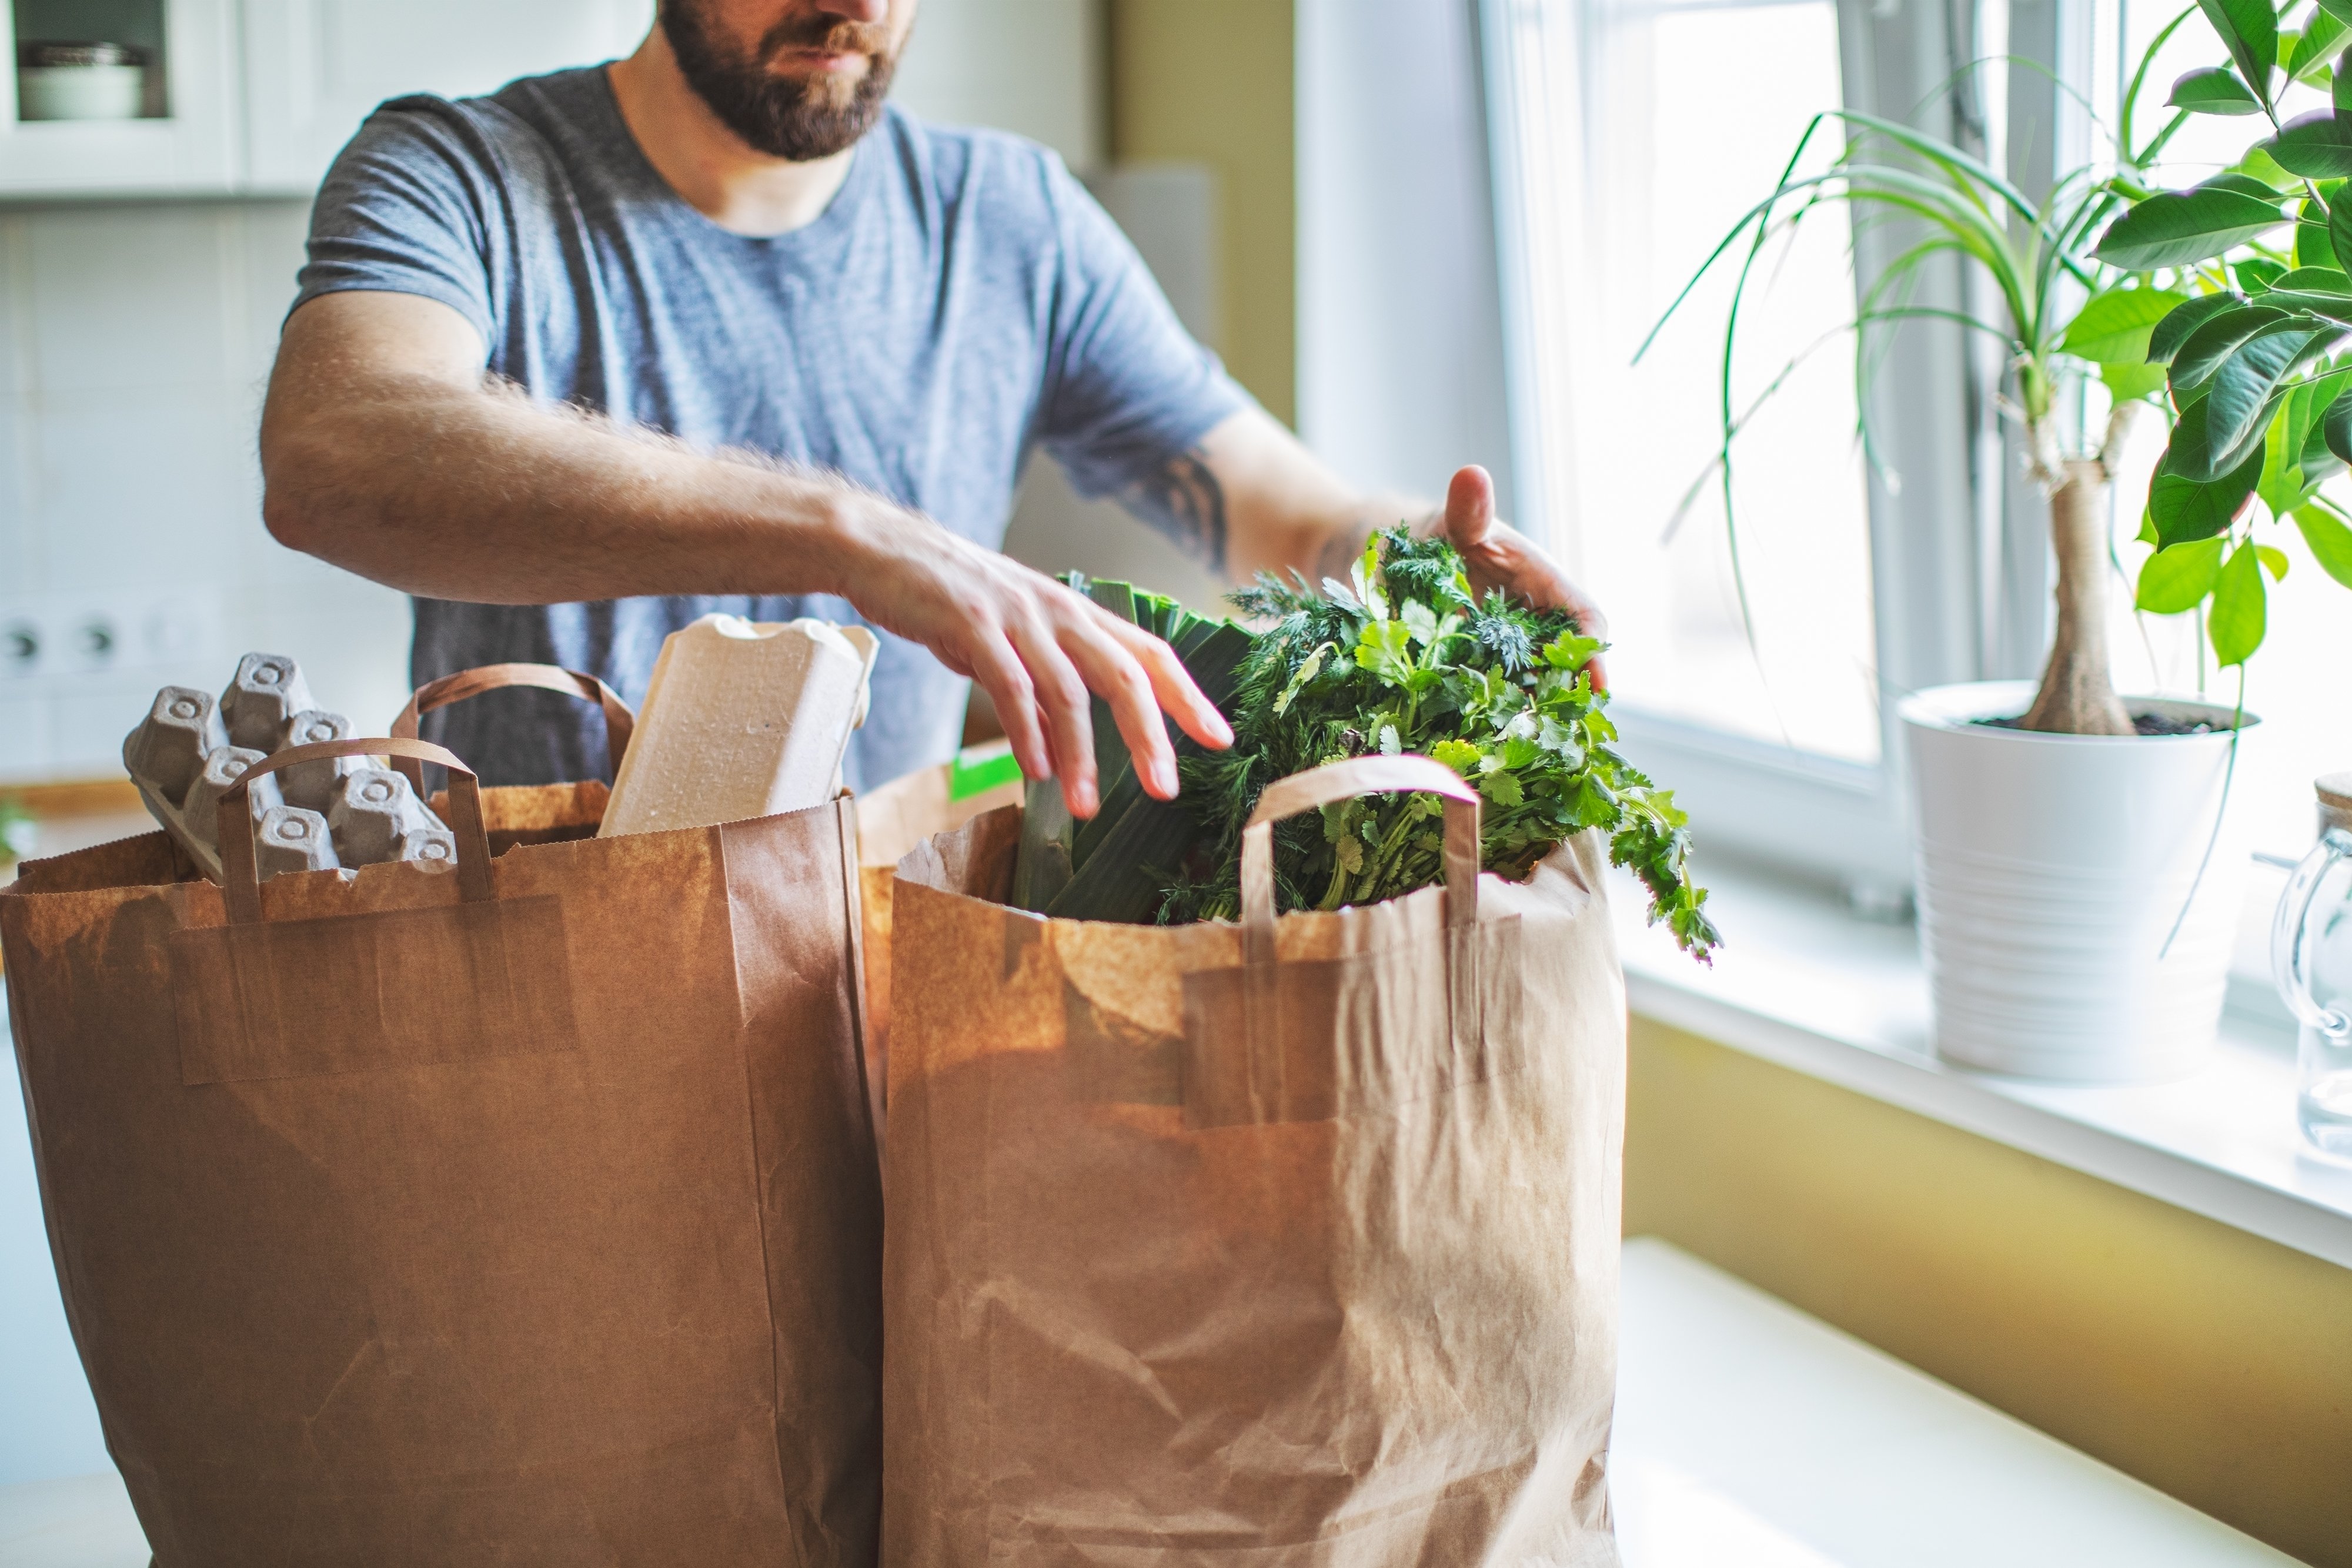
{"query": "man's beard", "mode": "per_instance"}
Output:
(800, 119)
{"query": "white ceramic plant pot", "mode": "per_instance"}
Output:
(2051, 870)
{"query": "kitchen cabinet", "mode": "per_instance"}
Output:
(313, 69)
(257, 96)
(186, 138)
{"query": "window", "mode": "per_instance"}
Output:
(1624, 154)
(1662, 181)
(1629, 135)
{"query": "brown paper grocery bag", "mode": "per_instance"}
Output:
(891, 821)
(525, 1213)
(1287, 1244)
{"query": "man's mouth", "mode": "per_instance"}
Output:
(821, 62)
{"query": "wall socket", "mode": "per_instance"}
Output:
(51, 644)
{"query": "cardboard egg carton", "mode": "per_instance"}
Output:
(742, 719)
(191, 749)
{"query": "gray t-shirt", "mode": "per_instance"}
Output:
(962, 300)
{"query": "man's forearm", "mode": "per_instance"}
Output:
(1250, 498)
(479, 495)
(1348, 529)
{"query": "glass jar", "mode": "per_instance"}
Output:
(2311, 958)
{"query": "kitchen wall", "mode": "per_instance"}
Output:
(135, 344)
(135, 341)
(1211, 82)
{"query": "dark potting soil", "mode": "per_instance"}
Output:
(2146, 723)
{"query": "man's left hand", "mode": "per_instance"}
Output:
(1497, 555)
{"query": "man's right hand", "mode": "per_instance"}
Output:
(384, 452)
(1033, 645)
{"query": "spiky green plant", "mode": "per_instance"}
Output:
(2080, 280)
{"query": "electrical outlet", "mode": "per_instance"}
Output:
(24, 643)
(88, 642)
(60, 644)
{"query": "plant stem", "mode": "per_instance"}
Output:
(2077, 695)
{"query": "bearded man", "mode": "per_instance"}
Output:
(717, 327)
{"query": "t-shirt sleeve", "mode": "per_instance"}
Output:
(1128, 390)
(408, 209)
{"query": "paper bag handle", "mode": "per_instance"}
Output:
(240, 878)
(619, 722)
(1337, 781)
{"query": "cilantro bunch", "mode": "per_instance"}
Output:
(1403, 658)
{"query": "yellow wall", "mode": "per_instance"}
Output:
(2212, 1364)
(1208, 81)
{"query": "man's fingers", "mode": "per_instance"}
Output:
(1173, 689)
(1000, 673)
(1115, 673)
(1062, 703)
(1469, 509)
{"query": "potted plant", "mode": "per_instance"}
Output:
(2078, 893)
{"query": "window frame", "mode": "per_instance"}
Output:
(1959, 569)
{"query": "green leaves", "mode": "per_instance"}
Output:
(2164, 344)
(2178, 578)
(2321, 34)
(2182, 501)
(2211, 346)
(2256, 275)
(2330, 541)
(2314, 281)
(2213, 90)
(2240, 611)
(2114, 328)
(2291, 468)
(2179, 228)
(1459, 755)
(2249, 30)
(2335, 427)
(2241, 401)
(2312, 246)
(1571, 651)
(2317, 146)
(1385, 648)
(1493, 690)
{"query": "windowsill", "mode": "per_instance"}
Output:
(1805, 984)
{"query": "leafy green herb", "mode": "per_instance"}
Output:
(1403, 657)
(1399, 658)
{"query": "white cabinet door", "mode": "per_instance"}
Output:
(191, 148)
(315, 67)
